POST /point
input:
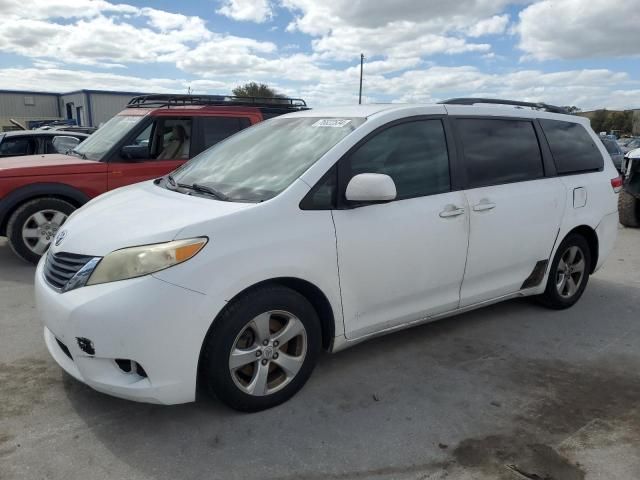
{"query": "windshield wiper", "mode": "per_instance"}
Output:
(171, 180)
(210, 190)
(196, 187)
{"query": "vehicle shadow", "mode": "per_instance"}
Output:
(400, 404)
(12, 268)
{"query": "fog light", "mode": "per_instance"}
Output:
(86, 345)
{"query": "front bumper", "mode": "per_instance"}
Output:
(146, 320)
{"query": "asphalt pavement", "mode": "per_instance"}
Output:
(512, 391)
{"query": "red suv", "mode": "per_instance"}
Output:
(154, 135)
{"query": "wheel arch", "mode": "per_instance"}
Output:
(591, 237)
(18, 197)
(311, 292)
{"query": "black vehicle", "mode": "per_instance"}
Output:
(34, 142)
(629, 199)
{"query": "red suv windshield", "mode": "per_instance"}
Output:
(100, 143)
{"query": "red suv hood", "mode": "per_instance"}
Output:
(44, 165)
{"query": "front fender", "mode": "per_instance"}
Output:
(20, 195)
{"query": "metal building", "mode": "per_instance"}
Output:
(82, 107)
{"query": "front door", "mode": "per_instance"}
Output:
(515, 210)
(161, 147)
(404, 260)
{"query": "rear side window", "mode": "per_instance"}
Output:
(216, 129)
(499, 151)
(413, 154)
(572, 148)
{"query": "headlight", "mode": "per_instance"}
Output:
(138, 261)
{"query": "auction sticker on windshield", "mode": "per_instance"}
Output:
(331, 122)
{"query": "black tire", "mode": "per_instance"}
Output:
(22, 214)
(215, 373)
(551, 297)
(628, 210)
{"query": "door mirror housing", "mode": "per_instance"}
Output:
(135, 152)
(371, 188)
(64, 143)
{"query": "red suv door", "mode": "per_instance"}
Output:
(162, 146)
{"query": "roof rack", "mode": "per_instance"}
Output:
(173, 100)
(496, 101)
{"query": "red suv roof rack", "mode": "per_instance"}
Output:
(173, 100)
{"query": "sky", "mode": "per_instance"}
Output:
(567, 52)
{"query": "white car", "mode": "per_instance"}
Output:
(317, 230)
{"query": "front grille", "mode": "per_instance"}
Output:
(60, 267)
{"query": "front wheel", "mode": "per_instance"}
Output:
(262, 349)
(569, 273)
(32, 227)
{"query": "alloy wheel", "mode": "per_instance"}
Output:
(570, 272)
(268, 353)
(40, 229)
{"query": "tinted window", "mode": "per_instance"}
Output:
(414, 154)
(17, 146)
(323, 195)
(216, 129)
(572, 148)
(499, 151)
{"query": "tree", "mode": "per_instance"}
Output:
(253, 89)
(599, 121)
(572, 109)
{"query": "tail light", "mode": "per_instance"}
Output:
(616, 184)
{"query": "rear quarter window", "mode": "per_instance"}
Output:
(572, 147)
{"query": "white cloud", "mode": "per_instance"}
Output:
(489, 26)
(258, 11)
(62, 80)
(61, 8)
(570, 29)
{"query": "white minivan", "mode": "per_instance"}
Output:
(317, 230)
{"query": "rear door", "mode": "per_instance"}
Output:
(210, 130)
(515, 209)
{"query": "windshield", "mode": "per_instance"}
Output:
(98, 145)
(260, 162)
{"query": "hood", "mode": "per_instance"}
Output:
(633, 153)
(139, 214)
(45, 165)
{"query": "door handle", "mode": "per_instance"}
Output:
(451, 211)
(481, 207)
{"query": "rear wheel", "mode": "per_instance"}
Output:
(32, 227)
(569, 273)
(628, 210)
(262, 349)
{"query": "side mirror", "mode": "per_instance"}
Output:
(371, 188)
(135, 152)
(64, 144)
